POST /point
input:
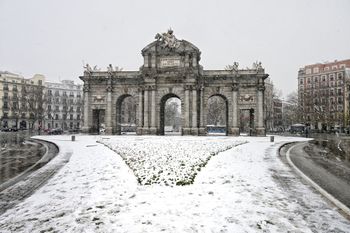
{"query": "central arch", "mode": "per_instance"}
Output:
(162, 116)
(219, 113)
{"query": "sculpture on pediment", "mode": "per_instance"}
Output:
(110, 68)
(233, 67)
(96, 69)
(257, 65)
(168, 40)
(87, 68)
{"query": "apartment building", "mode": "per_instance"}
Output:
(323, 94)
(64, 105)
(21, 101)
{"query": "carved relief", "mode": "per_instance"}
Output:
(246, 98)
(98, 99)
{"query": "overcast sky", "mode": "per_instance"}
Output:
(55, 37)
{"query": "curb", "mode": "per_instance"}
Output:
(329, 196)
(26, 172)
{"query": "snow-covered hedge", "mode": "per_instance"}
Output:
(167, 160)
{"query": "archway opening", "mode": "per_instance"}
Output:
(98, 119)
(126, 115)
(170, 115)
(217, 116)
(247, 122)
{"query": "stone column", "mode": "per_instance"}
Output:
(108, 116)
(202, 130)
(186, 129)
(194, 129)
(86, 126)
(194, 60)
(146, 112)
(140, 113)
(145, 60)
(153, 129)
(187, 62)
(235, 110)
(153, 60)
(260, 129)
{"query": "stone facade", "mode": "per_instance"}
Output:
(171, 69)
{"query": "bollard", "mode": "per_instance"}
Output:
(73, 138)
(272, 138)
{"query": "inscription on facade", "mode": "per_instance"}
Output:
(169, 62)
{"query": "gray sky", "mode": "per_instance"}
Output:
(55, 37)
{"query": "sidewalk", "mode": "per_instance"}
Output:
(244, 189)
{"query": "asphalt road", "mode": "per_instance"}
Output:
(334, 183)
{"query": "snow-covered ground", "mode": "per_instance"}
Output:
(244, 189)
(168, 160)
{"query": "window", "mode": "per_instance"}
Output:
(301, 81)
(339, 91)
(334, 67)
(340, 76)
(57, 108)
(71, 116)
(78, 117)
(64, 117)
(340, 100)
(5, 106)
(56, 117)
(315, 70)
(49, 107)
(49, 92)
(6, 87)
(40, 82)
(326, 68)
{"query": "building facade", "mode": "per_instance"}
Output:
(21, 101)
(171, 68)
(323, 94)
(64, 105)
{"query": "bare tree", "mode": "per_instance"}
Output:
(216, 111)
(33, 99)
(172, 113)
(292, 113)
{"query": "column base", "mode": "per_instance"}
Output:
(186, 131)
(202, 131)
(108, 130)
(145, 131)
(153, 130)
(234, 132)
(194, 131)
(139, 130)
(260, 132)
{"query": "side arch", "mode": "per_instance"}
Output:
(226, 109)
(118, 104)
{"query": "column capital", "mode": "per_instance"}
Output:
(150, 87)
(189, 87)
(261, 88)
(109, 89)
(235, 87)
(86, 88)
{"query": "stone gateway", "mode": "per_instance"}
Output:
(171, 68)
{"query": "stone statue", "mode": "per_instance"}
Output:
(233, 67)
(167, 39)
(110, 68)
(257, 65)
(87, 68)
(96, 69)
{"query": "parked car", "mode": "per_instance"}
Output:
(55, 131)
